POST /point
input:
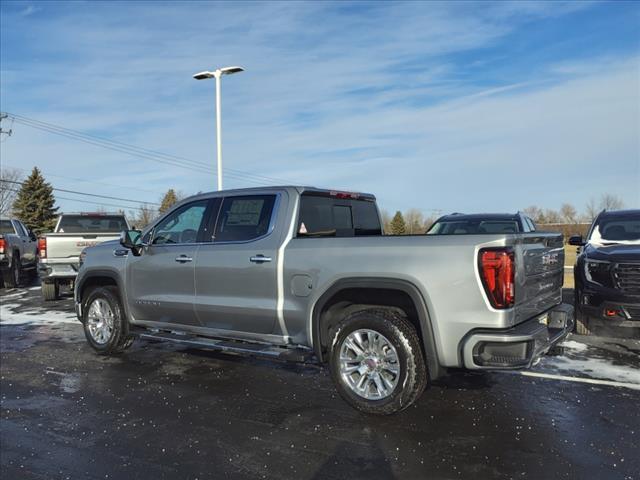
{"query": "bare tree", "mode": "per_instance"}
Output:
(569, 213)
(430, 220)
(609, 201)
(144, 216)
(591, 210)
(8, 189)
(535, 213)
(551, 216)
(414, 221)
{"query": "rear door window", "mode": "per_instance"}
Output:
(244, 218)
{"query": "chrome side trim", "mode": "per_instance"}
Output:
(280, 268)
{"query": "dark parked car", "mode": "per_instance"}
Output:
(482, 223)
(607, 273)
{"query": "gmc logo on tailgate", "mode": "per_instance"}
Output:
(87, 244)
(550, 259)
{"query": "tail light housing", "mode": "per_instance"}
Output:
(1, 245)
(42, 247)
(497, 271)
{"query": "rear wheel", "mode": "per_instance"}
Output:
(376, 361)
(12, 276)
(50, 290)
(104, 322)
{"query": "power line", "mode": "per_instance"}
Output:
(138, 151)
(89, 201)
(90, 194)
(125, 150)
(49, 174)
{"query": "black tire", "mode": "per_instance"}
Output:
(412, 376)
(119, 339)
(50, 290)
(12, 275)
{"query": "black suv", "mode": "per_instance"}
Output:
(607, 273)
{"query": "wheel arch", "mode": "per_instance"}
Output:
(351, 294)
(101, 278)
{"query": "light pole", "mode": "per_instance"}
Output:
(217, 74)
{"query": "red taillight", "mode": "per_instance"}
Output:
(42, 247)
(1, 245)
(497, 270)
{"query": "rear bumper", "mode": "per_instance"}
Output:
(58, 271)
(520, 346)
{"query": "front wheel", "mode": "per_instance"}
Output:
(104, 322)
(377, 363)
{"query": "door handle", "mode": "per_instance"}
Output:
(183, 259)
(259, 259)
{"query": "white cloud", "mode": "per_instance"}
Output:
(368, 100)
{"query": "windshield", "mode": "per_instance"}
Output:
(92, 223)
(6, 226)
(473, 227)
(613, 229)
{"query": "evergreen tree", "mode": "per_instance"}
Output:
(398, 225)
(34, 204)
(169, 200)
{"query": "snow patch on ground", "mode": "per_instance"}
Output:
(593, 368)
(8, 316)
(573, 345)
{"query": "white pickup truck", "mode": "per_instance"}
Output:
(59, 252)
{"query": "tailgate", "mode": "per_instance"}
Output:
(539, 273)
(69, 245)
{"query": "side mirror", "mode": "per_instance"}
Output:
(32, 236)
(131, 239)
(576, 240)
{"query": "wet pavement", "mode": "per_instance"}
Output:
(166, 411)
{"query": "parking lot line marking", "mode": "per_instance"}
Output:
(594, 381)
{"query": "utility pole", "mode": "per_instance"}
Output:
(6, 132)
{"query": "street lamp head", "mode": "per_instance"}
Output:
(231, 70)
(204, 75)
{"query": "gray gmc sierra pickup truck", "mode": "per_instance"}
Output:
(302, 273)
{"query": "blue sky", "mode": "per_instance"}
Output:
(438, 106)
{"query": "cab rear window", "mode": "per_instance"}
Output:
(6, 227)
(323, 215)
(92, 223)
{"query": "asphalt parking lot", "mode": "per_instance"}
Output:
(166, 411)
